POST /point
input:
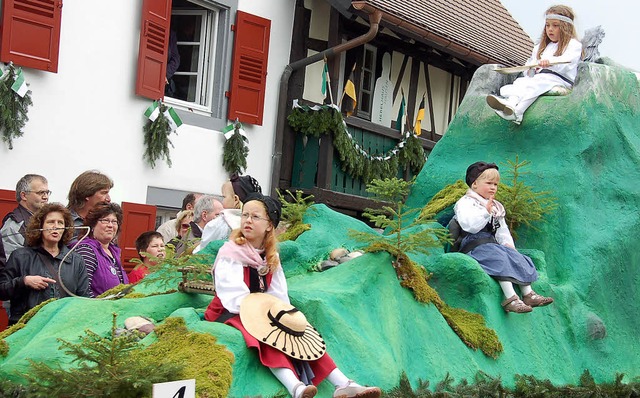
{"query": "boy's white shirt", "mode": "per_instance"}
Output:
(472, 215)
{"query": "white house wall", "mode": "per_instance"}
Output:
(87, 116)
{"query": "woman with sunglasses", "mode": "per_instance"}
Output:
(101, 255)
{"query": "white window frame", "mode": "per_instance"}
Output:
(206, 68)
(372, 71)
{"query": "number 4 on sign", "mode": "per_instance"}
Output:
(175, 389)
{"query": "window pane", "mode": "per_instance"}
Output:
(185, 87)
(366, 80)
(366, 102)
(368, 59)
(187, 27)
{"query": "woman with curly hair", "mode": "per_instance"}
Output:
(36, 273)
(101, 255)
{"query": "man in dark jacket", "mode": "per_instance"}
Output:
(32, 192)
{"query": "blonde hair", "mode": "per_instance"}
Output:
(183, 215)
(489, 175)
(270, 243)
(567, 30)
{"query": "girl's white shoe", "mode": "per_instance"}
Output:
(354, 390)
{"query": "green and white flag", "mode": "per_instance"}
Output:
(174, 119)
(153, 111)
(20, 85)
(230, 130)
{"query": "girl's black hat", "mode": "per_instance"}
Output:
(474, 171)
(274, 207)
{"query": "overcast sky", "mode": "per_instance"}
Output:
(618, 18)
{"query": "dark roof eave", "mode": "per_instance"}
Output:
(435, 40)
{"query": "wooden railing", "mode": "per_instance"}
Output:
(317, 169)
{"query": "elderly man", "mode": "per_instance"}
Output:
(206, 209)
(87, 190)
(32, 192)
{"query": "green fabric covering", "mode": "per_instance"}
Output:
(583, 147)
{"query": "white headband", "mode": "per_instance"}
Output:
(560, 18)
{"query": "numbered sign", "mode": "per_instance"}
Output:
(175, 389)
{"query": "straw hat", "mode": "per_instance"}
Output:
(282, 326)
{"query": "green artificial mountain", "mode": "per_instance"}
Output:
(584, 149)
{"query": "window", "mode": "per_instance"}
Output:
(205, 43)
(196, 30)
(367, 81)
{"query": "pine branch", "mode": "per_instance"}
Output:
(235, 152)
(13, 108)
(156, 139)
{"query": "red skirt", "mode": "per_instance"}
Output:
(269, 356)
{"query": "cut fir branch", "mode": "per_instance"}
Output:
(293, 210)
(235, 150)
(13, 107)
(156, 138)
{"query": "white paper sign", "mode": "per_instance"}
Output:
(175, 389)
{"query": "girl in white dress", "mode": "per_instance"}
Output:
(556, 56)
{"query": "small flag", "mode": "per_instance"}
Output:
(153, 111)
(174, 119)
(402, 115)
(419, 118)
(230, 130)
(325, 78)
(349, 100)
(20, 85)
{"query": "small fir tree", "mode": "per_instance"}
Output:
(292, 213)
(106, 368)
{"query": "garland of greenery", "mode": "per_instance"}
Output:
(235, 149)
(13, 107)
(355, 160)
(156, 138)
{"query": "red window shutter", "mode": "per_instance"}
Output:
(137, 218)
(249, 71)
(31, 33)
(152, 55)
(7, 202)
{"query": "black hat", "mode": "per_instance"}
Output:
(474, 171)
(244, 185)
(274, 207)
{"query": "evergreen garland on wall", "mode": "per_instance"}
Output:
(235, 149)
(156, 137)
(355, 161)
(14, 104)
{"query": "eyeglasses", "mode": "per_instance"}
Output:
(41, 193)
(253, 218)
(106, 221)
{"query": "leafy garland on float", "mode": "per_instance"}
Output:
(14, 103)
(355, 160)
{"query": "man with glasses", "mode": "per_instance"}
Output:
(32, 192)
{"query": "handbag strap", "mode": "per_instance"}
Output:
(48, 263)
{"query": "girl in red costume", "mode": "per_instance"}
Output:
(249, 263)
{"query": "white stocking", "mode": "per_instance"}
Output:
(338, 379)
(287, 378)
(525, 289)
(507, 288)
